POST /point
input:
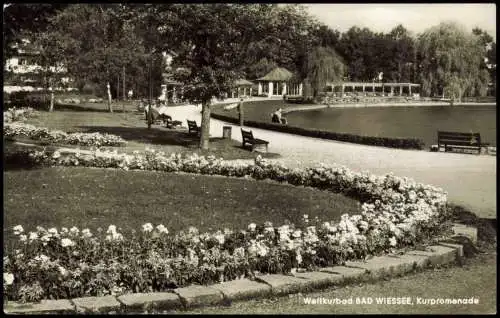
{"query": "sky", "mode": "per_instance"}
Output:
(416, 17)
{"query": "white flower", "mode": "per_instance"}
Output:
(220, 237)
(251, 227)
(8, 279)
(148, 227)
(23, 238)
(56, 154)
(42, 258)
(74, 230)
(392, 241)
(162, 229)
(53, 231)
(18, 229)
(67, 242)
(111, 229)
(64, 230)
(114, 237)
(63, 271)
(298, 258)
(86, 233)
(297, 233)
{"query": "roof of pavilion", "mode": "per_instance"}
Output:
(242, 82)
(279, 74)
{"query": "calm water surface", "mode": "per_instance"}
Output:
(412, 122)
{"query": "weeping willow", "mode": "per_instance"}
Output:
(323, 65)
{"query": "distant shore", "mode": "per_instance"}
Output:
(358, 105)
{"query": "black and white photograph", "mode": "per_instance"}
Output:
(249, 158)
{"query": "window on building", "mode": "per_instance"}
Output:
(265, 88)
(276, 88)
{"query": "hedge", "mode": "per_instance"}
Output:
(401, 143)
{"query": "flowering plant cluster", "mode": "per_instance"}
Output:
(395, 213)
(14, 129)
(14, 114)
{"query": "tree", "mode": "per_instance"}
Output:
(22, 20)
(401, 59)
(212, 41)
(450, 61)
(98, 42)
(261, 68)
(52, 47)
(323, 65)
(356, 46)
(489, 63)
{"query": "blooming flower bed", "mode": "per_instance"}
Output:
(14, 114)
(14, 129)
(61, 263)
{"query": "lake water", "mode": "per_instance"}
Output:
(421, 122)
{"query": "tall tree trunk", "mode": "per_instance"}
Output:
(118, 87)
(123, 82)
(205, 125)
(51, 108)
(109, 97)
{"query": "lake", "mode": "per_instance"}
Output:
(421, 122)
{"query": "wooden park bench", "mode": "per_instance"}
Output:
(168, 122)
(460, 142)
(193, 127)
(253, 142)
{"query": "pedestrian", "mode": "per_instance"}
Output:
(240, 111)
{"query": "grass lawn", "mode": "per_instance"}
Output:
(91, 197)
(133, 128)
(476, 279)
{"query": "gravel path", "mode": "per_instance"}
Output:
(470, 180)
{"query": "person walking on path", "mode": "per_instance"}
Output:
(240, 112)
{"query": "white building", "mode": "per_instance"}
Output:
(23, 73)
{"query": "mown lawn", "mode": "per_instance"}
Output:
(92, 197)
(132, 127)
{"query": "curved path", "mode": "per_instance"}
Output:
(470, 180)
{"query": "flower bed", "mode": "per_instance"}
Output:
(396, 213)
(14, 129)
(14, 114)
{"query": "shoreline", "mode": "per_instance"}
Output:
(359, 105)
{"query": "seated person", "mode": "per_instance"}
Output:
(277, 117)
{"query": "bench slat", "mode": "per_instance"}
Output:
(458, 135)
(458, 142)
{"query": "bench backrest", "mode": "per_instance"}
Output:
(247, 135)
(192, 124)
(459, 139)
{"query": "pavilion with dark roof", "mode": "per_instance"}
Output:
(279, 82)
(242, 87)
